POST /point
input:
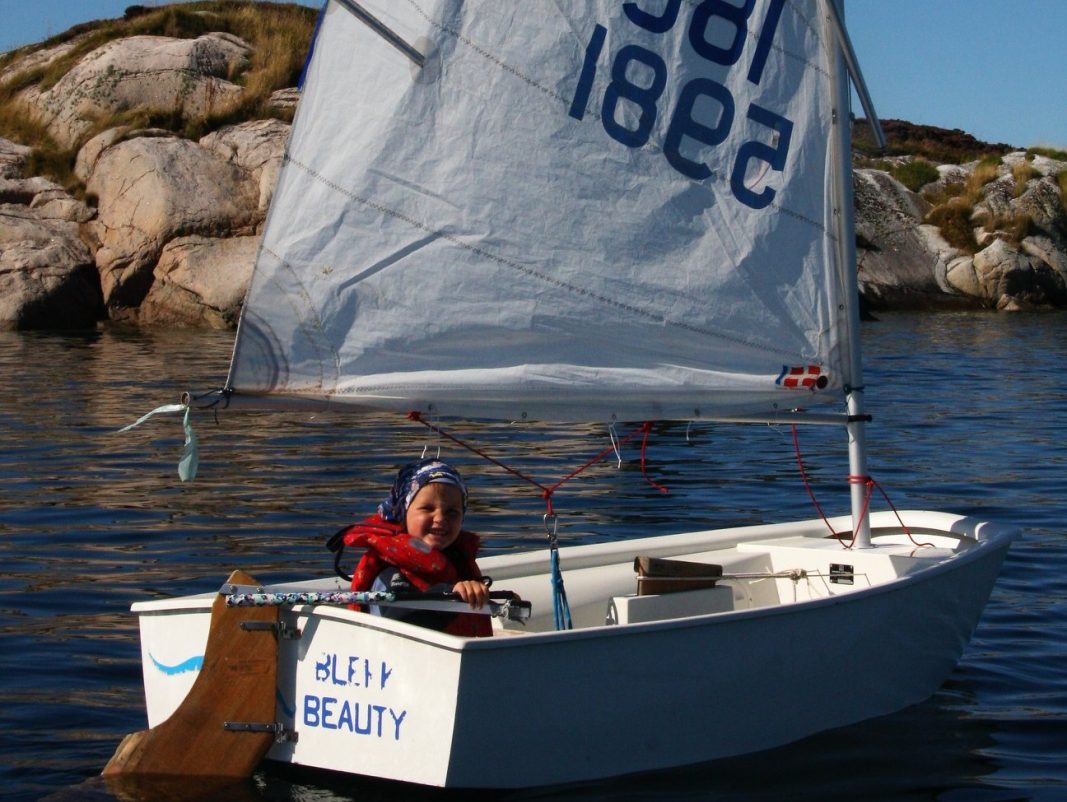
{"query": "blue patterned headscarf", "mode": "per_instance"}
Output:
(411, 479)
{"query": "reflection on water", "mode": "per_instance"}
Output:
(969, 414)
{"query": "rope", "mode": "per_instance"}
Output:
(871, 484)
(561, 609)
(560, 606)
(868, 481)
(807, 486)
(547, 491)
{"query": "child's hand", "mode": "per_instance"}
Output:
(472, 591)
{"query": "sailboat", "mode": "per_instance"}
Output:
(594, 211)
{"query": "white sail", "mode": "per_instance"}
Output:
(610, 210)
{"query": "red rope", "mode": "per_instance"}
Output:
(546, 492)
(807, 486)
(647, 427)
(868, 481)
(871, 484)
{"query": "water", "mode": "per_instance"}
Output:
(969, 416)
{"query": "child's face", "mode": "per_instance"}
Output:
(435, 515)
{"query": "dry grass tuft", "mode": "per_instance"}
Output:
(1022, 172)
(955, 219)
(987, 171)
(279, 35)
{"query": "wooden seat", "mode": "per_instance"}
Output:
(656, 575)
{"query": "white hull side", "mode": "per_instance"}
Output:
(657, 695)
(381, 698)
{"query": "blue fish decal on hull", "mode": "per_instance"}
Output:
(192, 664)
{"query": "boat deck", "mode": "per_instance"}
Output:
(761, 573)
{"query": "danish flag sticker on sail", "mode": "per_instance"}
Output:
(807, 377)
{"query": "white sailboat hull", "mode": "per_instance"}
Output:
(753, 663)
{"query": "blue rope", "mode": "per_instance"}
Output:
(560, 608)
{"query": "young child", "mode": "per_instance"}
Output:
(417, 542)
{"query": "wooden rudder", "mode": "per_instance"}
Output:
(237, 683)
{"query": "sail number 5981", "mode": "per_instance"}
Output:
(644, 97)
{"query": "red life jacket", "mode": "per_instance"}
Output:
(388, 544)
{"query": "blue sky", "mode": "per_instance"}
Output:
(996, 69)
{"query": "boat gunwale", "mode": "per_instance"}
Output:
(984, 536)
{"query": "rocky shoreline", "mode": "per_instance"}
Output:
(166, 228)
(1018, 256)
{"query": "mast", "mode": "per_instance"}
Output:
(842, 198)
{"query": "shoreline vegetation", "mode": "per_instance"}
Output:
(913, 154)
(201, 95)
(279, 35)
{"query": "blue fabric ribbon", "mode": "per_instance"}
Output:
(190, 460)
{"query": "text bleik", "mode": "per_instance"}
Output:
(352, 671)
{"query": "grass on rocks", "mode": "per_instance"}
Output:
(279, 35)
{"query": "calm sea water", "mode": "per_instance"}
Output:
(970, 415)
